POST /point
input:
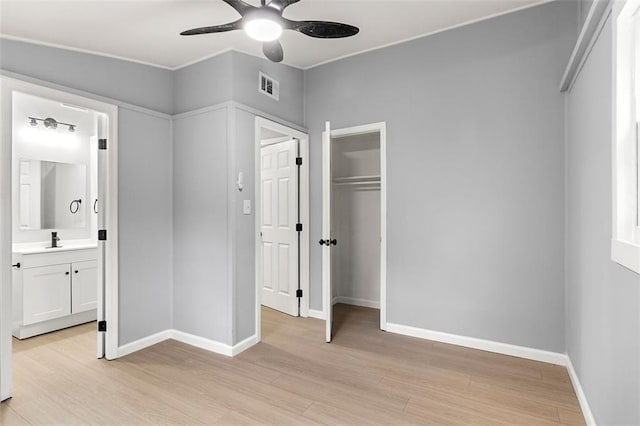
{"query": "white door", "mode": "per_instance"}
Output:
(46, 293)
(278, 219)
(327, 240)
(84, 286)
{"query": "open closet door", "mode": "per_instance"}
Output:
(326, 241)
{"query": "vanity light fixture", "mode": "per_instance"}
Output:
(51, 123)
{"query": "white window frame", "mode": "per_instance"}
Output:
(625, 245)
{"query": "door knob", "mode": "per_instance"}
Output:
(17, 265)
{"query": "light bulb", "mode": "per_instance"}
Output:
(263, 29)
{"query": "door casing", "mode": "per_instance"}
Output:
(107, 219)
(303, 138)
(381, 129)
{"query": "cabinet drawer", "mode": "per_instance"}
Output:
(46, 293)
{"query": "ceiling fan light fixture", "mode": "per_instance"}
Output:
(262, 29)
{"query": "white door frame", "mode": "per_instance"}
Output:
(107, 250)
(303, 138)
(380, 128)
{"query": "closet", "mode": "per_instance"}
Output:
(356, 219)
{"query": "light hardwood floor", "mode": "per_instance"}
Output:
(364, 377)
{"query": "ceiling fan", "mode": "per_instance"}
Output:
(266, 23)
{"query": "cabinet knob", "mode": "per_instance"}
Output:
(66, 273)
(75, 272)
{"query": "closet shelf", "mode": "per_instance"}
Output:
(357, 180)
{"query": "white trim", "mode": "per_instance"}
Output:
(143, 343)
(582, 398)
(189, 339)
(356, 302)
(242, 346)
(89, 95)
(625, 244)
(107, 250)
(303, 138)
(202, 343)
(240, 106)
(593, 24)
(482, 344)
(314, 313)
(380, 128)
(626, 254)
(80, 50)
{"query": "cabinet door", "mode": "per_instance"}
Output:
(46, 293)
(84, 286)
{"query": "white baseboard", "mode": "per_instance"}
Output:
(582, 398)
(356, 302)
(485, 345)
(244, 345)
(143, 343)
(314, 313)
(202, 343)
(189, 339)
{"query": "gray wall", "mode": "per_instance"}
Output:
(137, 84)
(246, 69)
(199, 299)
(603, 320)
(202, 293)
(475, 172)
(144, 170)
(244, 241)
(203, 84)
(144, 198)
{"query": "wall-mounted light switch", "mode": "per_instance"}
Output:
(247, 207)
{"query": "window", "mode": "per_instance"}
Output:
(625, 248)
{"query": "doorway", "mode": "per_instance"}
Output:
(58, 218)
(282, 219)
(354, 254)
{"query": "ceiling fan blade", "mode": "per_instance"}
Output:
(240, 6)
(215, 29)
(322, 29)
(273, 51)
(281, 5)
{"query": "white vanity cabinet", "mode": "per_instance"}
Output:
(53, 289)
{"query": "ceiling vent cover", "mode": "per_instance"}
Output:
(269, 87)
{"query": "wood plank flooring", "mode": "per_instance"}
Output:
(364, 377)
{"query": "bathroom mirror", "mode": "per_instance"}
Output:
(52, 195)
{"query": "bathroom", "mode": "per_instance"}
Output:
(55, 205)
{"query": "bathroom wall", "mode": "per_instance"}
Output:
(59, 145)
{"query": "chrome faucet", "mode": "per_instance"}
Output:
(54, 239)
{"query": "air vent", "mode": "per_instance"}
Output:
(268, 86)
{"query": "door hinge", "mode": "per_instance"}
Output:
(298, 161)
(102, 235)
(102, 326)
(102, 144)
(298, 227)
(299, 293)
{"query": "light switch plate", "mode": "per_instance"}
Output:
(247, 207)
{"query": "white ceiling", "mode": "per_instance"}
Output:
(148, 31)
